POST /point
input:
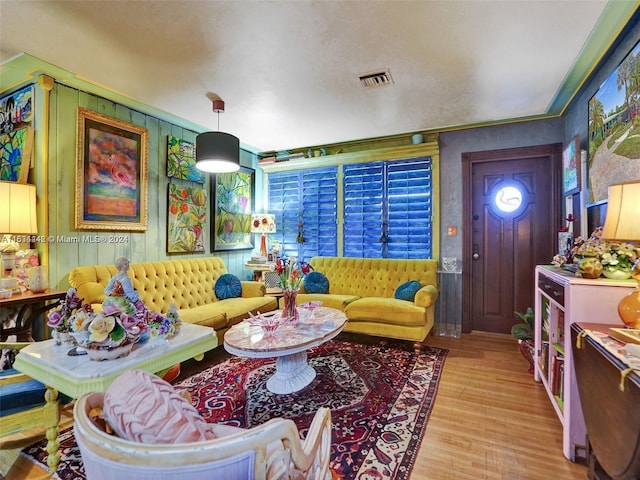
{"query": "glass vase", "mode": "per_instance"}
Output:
(289, 308)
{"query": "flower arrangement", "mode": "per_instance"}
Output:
(164, 326)
(291, 272)
(111, 327)
(70, 314)
(614, 256)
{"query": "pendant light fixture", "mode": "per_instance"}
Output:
(217, 152)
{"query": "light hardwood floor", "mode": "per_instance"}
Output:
(490, 420)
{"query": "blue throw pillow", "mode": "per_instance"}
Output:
(316, 282)
(407, 291)
(228, 286)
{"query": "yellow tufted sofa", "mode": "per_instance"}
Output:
(188, 284)
(364, 289)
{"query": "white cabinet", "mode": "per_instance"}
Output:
(562, 299)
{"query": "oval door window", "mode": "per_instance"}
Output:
(508, 198)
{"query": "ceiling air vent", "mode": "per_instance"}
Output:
(376, 79)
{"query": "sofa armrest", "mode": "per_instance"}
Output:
(426, 296)
(251, 288)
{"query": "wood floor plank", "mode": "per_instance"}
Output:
(490, 420)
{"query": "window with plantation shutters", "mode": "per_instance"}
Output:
(409, 208)
(305, 205)
(363, 209)
(388, 209)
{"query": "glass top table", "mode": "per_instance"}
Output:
(289, 344)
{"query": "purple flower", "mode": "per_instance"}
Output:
(130, 324)
(55, 319)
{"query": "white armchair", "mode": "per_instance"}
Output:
(273, 450)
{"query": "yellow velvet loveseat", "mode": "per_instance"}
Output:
(188, 284)
(364, 289)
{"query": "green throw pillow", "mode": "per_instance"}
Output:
(407, 291)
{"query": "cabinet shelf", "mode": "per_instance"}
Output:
(562, 299)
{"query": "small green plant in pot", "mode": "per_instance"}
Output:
(524, 332)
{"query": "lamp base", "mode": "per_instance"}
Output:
(629, 306)
(263, 245)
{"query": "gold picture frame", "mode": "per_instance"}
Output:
(111, 178)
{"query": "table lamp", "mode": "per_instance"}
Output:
(18, 214)
(623, 224)
(263, 223)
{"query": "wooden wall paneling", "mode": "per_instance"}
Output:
(65, 253)
(153, 243)
(141, 246)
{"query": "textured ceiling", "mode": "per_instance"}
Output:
(288, 70)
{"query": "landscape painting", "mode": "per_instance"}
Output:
(111, 181)
(614, 129)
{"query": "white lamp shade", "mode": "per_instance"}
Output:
(623, 213)
(263, 223)
(18, 208)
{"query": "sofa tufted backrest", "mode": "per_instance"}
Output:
(186, 283)
(373, 277)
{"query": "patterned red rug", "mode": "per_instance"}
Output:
(380, 398)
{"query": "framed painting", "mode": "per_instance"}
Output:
(186, 216)
(571, 167)
(181, 160)
(232, 196)
(614, 129)
(16, 110)
(16, 135)
(111, 178)
(16, 148)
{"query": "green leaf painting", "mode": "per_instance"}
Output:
(181, 160)
(186, 218)
(15, 154)
(233, 196)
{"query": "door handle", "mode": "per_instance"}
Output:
(476, 250)
(476, 256)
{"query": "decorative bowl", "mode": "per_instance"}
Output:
(269, 322)
(99, 352)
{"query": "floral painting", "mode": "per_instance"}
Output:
(232, 194)
(181, 160)
(187, 214)
(16, 135)
(111, 179)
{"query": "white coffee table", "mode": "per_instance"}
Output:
(77, 375)
(289, 344)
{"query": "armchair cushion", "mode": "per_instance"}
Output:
(19, 396)
(228, 286)
(142, 407)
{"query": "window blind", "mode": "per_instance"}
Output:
(305, 202)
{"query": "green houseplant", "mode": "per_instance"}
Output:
(524, 332)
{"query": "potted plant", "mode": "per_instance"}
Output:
(524, 332)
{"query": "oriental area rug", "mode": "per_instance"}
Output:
(380, 396)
